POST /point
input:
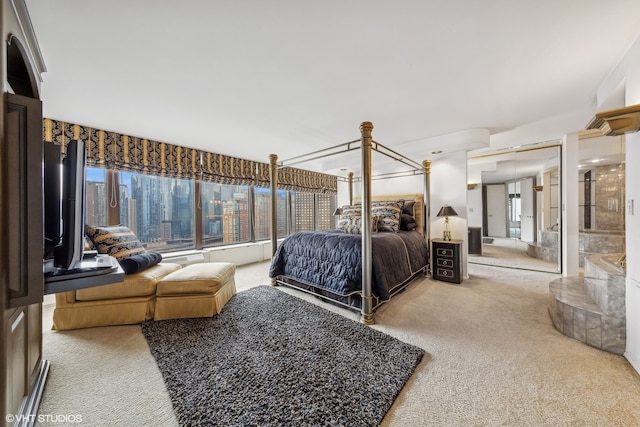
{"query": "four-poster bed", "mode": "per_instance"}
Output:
(363, 270)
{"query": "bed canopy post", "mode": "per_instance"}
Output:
(426, 164)
(273, 174)
(366, 316)
(350, 188)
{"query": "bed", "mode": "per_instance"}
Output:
(369, 259)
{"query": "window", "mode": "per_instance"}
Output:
(158, 210)
(162, 211)
(225, 214)
(262, 213)
(96, 197)
(326, 207)
(314, 211)
(304, 209)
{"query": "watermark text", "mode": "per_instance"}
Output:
(44, 418)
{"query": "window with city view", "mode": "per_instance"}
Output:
(262, 213)
(225, 214)
(158, 210)
(161, 211)
(96, 197)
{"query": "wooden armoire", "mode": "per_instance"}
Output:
(22, 369)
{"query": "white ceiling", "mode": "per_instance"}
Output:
(250, 78)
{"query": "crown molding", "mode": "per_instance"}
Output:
(618, 121)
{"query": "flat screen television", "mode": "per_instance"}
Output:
(52, 186)
(68, 253)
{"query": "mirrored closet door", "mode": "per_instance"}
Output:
(520, 199)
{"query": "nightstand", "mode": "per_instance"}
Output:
(445, 258)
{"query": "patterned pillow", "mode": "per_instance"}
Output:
(117, 241)
(351, 211)
(353, 225)
(387, 215)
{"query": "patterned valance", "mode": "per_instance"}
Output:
(226, 169)
(127, 153)
(306, 181)
(112, 150)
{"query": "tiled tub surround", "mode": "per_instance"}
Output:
(591, 309)
(589, 242)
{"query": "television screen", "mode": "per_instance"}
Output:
(68, 254)
(51, 202)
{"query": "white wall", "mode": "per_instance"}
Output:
(449, 186)
(406, 184)
(633, 220)
(474, 196)
(633, 249)
(628, 74)
(569, 206)
(474, 206)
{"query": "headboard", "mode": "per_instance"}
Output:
(418, 208)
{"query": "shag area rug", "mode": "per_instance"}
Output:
(273, 359)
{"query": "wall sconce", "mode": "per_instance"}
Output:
(471, 186)
(446, 211)
(538, 188)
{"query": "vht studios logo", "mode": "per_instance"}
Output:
(44, 418)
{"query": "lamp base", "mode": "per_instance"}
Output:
(447, 231)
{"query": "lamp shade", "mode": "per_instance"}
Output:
(447, 210)
(337, 212)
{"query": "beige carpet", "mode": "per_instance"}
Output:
(494, 359)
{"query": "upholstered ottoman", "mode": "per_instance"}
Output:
(197, 290)
(128, 302)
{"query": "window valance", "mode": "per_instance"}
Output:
(112, 150)
(226, 169)
(306, 181)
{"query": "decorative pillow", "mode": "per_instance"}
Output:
(388, 215)
(349, 211)
(88, 244)
(407, 222)
(140, 262)
(407, 208)
(353, 225)
(117, 241)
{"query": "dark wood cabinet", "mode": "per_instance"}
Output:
(23, 190)
(446, 264)
(22, 370)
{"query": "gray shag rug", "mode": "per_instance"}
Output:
(273, 359)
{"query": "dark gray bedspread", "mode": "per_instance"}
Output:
(333, 260)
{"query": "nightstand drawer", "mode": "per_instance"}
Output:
(445, 273)
(444, 252)
(444, 262)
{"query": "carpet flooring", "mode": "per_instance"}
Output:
(273, 359)
(494, 359)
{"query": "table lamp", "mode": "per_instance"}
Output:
(446, 211)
